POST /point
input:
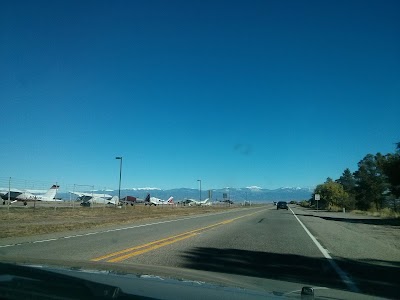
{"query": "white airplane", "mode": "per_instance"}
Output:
(18, 195)
(192, 202)
(88, 198)
(156, 201)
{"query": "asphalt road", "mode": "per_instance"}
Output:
(258, 245)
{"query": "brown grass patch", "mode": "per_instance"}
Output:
(17, 222)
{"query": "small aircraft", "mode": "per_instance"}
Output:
(156, 201)
(89, 198)
(19, 195)
(226, 201)
(192, 202)
(129, 200)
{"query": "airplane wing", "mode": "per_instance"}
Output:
(99, 200)
(50, 200)
(197, 202)
(104, 196)
(13, 195)
(36, 191)
(5, 191)
(190, 200)
(78, 194)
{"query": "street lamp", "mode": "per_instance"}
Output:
(199, 180)
(120, 171)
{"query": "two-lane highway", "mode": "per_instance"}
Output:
(257, 243)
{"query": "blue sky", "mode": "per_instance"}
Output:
(236, 93)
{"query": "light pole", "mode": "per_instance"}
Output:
(9, 193)
(199, 180)
(120, 172)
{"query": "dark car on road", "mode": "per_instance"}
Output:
(282, 205)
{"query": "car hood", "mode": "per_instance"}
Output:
(158, 282)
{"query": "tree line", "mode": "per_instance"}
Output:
(374, 183)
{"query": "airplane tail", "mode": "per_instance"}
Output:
(51, 193)
(147, 199)
(170, 200)
(207, 202)
(114, 200)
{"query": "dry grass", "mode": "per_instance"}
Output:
(383, 213)
(18, 222)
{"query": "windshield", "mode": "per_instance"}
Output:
(253, 144)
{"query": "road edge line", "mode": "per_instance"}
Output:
(342, 274)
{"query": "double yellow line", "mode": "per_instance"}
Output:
(137, 250)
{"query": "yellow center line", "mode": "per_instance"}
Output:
(129, 255)
(137, 250)
(152, 243)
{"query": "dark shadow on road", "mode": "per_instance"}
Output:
(369, 221)
(369, 277)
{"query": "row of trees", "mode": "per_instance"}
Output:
(376, 180)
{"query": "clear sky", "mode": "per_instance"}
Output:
(235, 93)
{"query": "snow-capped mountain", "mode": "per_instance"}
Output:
(145, 189)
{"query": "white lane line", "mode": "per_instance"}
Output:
(10, 245)
(115, 229)
(342, 274)
(42, 241)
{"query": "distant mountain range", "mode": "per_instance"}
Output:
(252, 193)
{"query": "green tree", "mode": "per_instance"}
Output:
(391, 168)
(348, 182)
(332, 195)
(328, 180)
(370, 182)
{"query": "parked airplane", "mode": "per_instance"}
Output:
(18, 195)
(130, 200)
(192, 202)
(226, 201)
(88, 198)
(156, 201)
(147, 199)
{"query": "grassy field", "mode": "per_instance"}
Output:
(17, 221)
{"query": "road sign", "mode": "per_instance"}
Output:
(317, 198)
